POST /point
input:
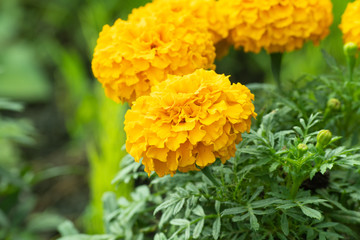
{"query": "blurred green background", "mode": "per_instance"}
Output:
(60, 148)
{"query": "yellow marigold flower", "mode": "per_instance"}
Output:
(277, 25)
(206, 11)
(132, 56)
(188, 121)
(350, 23)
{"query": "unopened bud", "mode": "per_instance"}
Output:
(334, 104)
(323, 138)
(350, 49)
(302, 147)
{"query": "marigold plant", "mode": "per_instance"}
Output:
(350, 23)
(187, 122)
(277, 26)
(132, 56)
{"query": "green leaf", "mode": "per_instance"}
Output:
(287, 206)
(330, 60)
(240, 218)
(165, 216)
(165, 204)
(325, 166)
(310, 234)
(253, 220)
(179, 222)
(4, 222)
(233, 211)
(216, 228)
(199, 211)
(265, 202)
(187, 232)
(217, 206)
(327, 225)
(299, 131)
(198, 228)
(257, 192)
(88, 237)
(9, 105)
(160, 236)
(45, 221)
(274, 166)
(109, 202)
(284, 224)
(310, 212)
(281, 236)
(67, 228)
(179, 206)
(313, 172)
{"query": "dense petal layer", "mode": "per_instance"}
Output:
(132, 56)
(188, 121)
(350, 23)
(206, 11)
(277, 25)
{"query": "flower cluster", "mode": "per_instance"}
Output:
(132, 56)
(187, 122)
(277, 25)
(350, 23)
(205, 11)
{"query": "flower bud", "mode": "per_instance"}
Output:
(302, 147)
(334, 104)
(350, 49)
(323, 138)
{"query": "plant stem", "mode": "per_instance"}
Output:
(295, 187)
(351, 60)
(275, 59)
(209, 175)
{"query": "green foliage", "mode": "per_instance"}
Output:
(268, 191)
(312, 93)
(290, 178)
(17, 201)
(93, 121)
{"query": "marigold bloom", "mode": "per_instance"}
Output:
(350, 23)
(187, 122)
(205, 11)
(132, 56)
(277, 25)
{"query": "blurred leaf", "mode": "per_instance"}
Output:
(6, 104)
(216, 228)
(67, 228)
(198, 228)
(26, 83)
(310, 212)
(46, 221)
(179, 222)
(284, 224)
(4, 222)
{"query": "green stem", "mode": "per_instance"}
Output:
(276, 68)
(295, 187)
(351, 60)
(209, 175)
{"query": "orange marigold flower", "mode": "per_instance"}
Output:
(350, 23)
(188, 121)
(206, 12)
(277, 25)
(132, 56)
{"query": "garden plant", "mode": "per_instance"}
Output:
(189, 150)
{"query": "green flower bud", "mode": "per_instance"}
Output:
(334, 104)
(302, 147)
(350, 49)
(323, 138)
